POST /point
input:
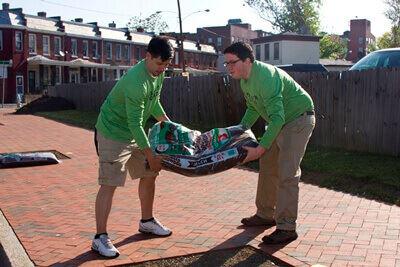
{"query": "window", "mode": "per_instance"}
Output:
(127, 54)
(210, 40)
(46, 45)
(118, 52)
(266, 52)
(93, 75)
(18, 41)
(109, 50)
(57, 45)
(360, 40)
(58, 75)
(219, 41)
(95, 52)
(74, 47)
(1, 40)
(138, 55)
(276, 51)
(32, 43)
(85, 48)
(258, 52)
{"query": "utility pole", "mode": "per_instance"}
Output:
(181, 51)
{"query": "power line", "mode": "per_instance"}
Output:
(85, 9)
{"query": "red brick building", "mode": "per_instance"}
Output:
(223, 36)
(359, 39)
(47, 51)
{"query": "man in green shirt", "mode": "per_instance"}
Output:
(289, 112)
(123, 145)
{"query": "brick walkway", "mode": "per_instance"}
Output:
(51, 210)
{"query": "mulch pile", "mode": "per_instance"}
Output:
(46, 103)
(238, 257)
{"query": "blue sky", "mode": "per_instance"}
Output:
(334, 14)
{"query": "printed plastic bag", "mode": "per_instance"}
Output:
(192, 153)
(13, 160)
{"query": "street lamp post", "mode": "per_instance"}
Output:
(181, 38)
(181, 52)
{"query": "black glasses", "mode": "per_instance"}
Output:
(226, 64)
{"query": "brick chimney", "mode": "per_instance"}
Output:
(112, 25)
(41, 14)
(6, 6)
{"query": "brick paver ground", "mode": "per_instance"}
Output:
(51, 209)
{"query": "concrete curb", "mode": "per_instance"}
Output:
(12, 253)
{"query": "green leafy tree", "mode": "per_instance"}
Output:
(393, 14)
(300, 16)
(385, 41)
(332, 47)
(372, 47)
(153, 23)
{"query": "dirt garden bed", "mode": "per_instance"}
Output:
(246, 256)
(45, 103)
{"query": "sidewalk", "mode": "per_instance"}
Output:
(51, 210)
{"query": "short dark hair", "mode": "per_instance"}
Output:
(241, 50)
(159, 46)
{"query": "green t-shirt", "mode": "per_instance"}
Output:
(275, 96)
(130, 103)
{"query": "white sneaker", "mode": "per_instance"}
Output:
(104, 246)
(154, 227)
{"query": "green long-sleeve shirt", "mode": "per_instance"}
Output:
(130, 103)
(275, 96)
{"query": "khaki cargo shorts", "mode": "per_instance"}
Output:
(115, 158)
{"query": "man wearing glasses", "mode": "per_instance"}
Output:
(289, 112)
(123, 145)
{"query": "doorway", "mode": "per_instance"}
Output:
(31, 81)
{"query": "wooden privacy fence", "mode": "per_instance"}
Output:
(355, 110)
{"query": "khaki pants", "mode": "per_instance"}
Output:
(278, 182)
(116, 158)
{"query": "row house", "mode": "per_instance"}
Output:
(45, 51)
(287, 48)
(220, 37)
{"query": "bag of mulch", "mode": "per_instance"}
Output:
(193, 153)
(14, 160)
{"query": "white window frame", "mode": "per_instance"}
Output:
(74, 50)
(276, 55)
(1, 40)
(267, 55)
(219, 41)
(127, 52)
(258, 52)
(58, 49)
(94, 73)
(48, 44)
(95, 52)
(118, 51)
(19, 41)
(32, 43)
(109, 50)
(138, 53)
(85, 52)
